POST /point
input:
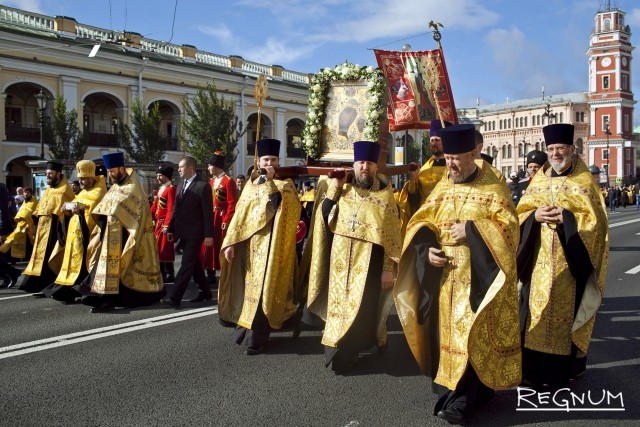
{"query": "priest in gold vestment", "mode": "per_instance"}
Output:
(79, 224)
(124, 268)
(456, 292)
(259, 261)
(355, 248)
(48, 246)
(562, 263)
(422, 182)
(19, 244)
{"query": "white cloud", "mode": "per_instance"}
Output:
(633, 18)
(220, 32)
(34, 6)
(276, 51)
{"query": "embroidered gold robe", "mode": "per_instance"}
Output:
(445, 339)
(338, 272)
(428, 177)
(134, 261)
(17, 240)
(551, 325)
(265, 261)
(49, 206)
(75, 246)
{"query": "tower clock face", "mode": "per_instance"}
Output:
(606, 61)
(624, 61)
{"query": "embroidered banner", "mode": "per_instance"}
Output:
(418, 88)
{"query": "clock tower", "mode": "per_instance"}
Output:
(612, 146)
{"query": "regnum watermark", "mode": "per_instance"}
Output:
(568, 401)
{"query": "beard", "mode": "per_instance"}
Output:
(53, 181)
(562, 165)
(27, 198)
(364, 182)
(118, 177)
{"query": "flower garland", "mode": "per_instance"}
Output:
(318, 87)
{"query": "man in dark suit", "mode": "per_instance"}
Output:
(192, 222)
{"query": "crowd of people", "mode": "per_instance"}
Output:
(490, 296)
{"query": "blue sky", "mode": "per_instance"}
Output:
(495, 49)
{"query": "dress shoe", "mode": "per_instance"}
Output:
(168, 279)
(14, 276)
(453, 416)
(202, 297)
(171, 302)
(252, 351)
(103, 308)
(296, 330)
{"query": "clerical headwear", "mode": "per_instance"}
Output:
(113, 160)
(595, 170)
(436, 127)
(86, 169)
(54, 166)
(537, 157)
(559, 133)
(366, 151)
(101, 170)
(268, 147)
(217, 159)
(458, 139)
(166, 171)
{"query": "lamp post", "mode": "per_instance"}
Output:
(524, 154)
(607, 132)
(41, 99)
(548, 114)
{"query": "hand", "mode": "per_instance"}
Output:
(437, 257)
(75, 210)
(208, 242)
(270, 172)
(342, 174)
(386, 280)
(458, 232)
(549, 214)
(413, 173)
(229, 253)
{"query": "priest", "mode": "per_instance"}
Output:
(356, 245)
(456, 293)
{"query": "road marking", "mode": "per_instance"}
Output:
(617, 224)
(107, 331)
(634, 270)
(15, 296)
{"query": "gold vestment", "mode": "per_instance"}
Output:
(17, 240)
(265, 261)
(489, 339)
(49, 205)
(338, 273)
(133, 262)
(551, 325)
(74, 249)
(428, 177)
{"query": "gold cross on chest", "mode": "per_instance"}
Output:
(353, 221)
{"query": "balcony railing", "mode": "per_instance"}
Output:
(23, 133)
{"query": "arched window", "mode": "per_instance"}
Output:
(582, 116)
(509, 127)
(504, 151)
(561, 118)
(520, 150)
(577, 116)
(526, 120)
(607, 25)
(509, 151)
(500, 124)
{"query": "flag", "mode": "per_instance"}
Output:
(418, 88)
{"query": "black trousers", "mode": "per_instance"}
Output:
(191, 266)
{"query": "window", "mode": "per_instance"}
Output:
(500, 124)
(504, 151)
(625, 82)
(509, 151)
(526, 122)
(627, 154)
(627, 128)
(627, 169)
(561, 118)
(605, 154)
(520, 150)
(605, 123)
(582, 116)
(577, 116)
(607, 25)
(509, 124)
(605, 82)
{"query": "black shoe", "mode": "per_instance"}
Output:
(103, 308)
(14, 276)
(296, 330)
(226, 323)
(202, 297)
(252, 351)
(168, 279)
(39, 295)
(171, 302)
(453, 415)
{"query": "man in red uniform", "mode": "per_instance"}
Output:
(224, 193)
(161, 209)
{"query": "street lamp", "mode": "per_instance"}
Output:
(607, 132)
(524, 154)
(41, 99)
(548, 114)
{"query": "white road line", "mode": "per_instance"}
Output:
(634, 270)
(107, 331)
(618, 224)
(15, 296)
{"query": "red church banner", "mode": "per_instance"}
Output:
(418, 88)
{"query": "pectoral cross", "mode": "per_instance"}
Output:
(353, 222)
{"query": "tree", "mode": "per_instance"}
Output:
(426, 147)
(210, 124)
(143, 143)
(62, 135)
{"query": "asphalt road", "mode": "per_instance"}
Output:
(63, 366)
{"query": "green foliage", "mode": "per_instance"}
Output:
(62, 135)
(426, 147)
(210, 124)
(143, 143)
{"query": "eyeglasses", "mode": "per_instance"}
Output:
(560, 148)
